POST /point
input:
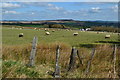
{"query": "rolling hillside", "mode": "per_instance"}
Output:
(68, 23)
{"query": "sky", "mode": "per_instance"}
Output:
(84, 11)
(60, 0)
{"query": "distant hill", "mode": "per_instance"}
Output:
(68, 23)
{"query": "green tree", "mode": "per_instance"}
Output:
(56, 26)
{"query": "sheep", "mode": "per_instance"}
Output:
(47, 33)
(107, 36)
(21, 35)
(75, 34)
(46, 29)
(21, 28)
(35, 28)
(53, 30)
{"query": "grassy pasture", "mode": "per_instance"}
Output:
(10, 37)
(16, 52)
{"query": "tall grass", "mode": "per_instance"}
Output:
(101, 65)
(45, 52)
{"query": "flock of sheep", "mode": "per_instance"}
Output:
(48, 33)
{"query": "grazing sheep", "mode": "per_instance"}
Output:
(46, 29)
(107, 36)
(53, 30)
(20, 28)
(35, 28)
(47, 33)
(75, 34)
(21, 35)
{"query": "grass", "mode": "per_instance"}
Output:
(10, 37)
(16, 52)
(15, 59)
(16, 69)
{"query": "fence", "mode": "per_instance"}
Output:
(72, 61)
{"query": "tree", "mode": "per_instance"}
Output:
(56, 26)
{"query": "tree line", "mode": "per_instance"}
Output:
(107, 29)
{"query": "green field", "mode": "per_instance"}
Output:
(16, 52)
(10, 37)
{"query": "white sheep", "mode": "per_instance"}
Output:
(53, 30)
(21, 35)
(107, 36)
(35, 28)
(20, 28)
(47, 33)
(75, 34)
(46, 29)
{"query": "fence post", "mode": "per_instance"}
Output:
(72, 59)
(33, 51)
(114, 60)
(118, 66)
(89, 62)
(57, 68)
(80, 59)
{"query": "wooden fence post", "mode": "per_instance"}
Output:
(33, 52)
(80, 59)
(114, 60)
(72, 59)
(118, 66)
(89, 62)
(57, 68)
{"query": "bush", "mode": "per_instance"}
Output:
(108, 29)
(56, 26)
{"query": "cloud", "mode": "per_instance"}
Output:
(60, 0)
(10, 12)
(32, 13)
(45, 5)
(55, 8)
(71, 12)
(48, 6)
(115, 8)
(95, 9)
(34, 0)
(40, 4)
(45, 10)
(10, 5)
